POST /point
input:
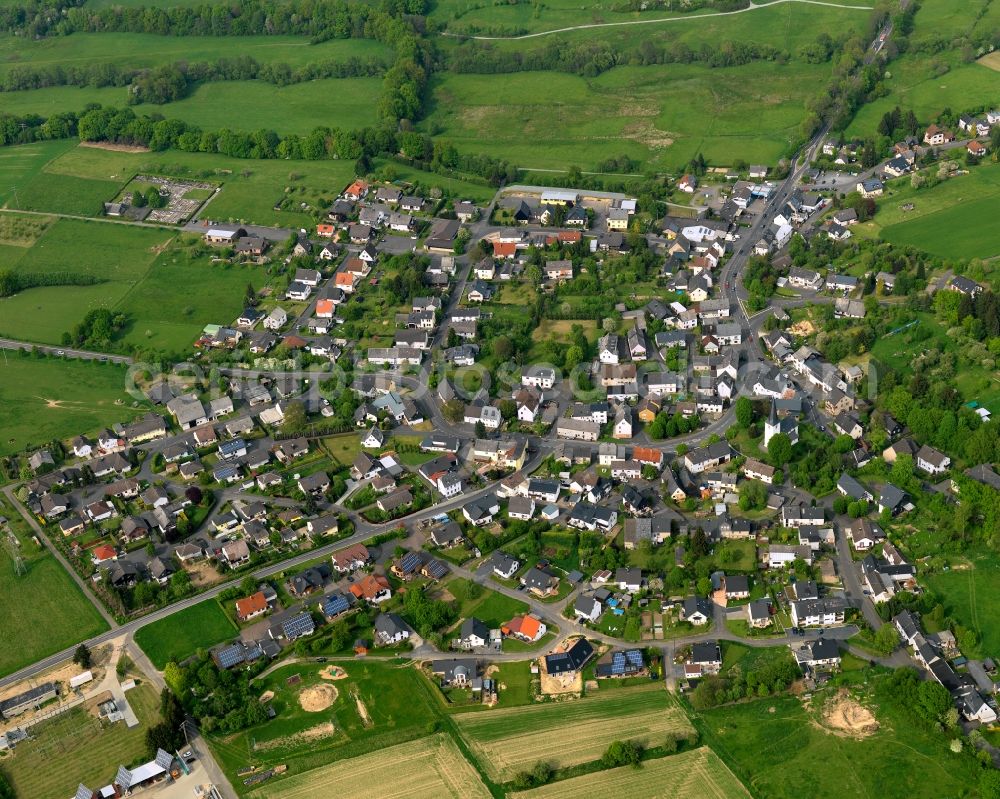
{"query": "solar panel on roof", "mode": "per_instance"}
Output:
(298, 625)
(231, 656)
(634, 656)
(334, 605)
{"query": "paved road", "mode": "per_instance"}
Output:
(86, 355)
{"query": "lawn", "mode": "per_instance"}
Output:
(658, 114)
(397, 701)
(970, 592)
(119, 255)
(777, 748)
(75, 748)
(569, 733)
(45, 610)
(180, 635)
(42, 399)
(165, 316)
(696, 774)
(424, 769)
(250, 188)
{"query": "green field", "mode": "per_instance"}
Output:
(779, 751)
(120, 255)
(20, 165)
(397, 701)
(781, 25)
(180, 635)
(660, 114)
(696, 774)
(953, 219)
(45, 610)
(286, 109)
(48, 398)
(969, 594)
(74, 748)
(169, 319)
(913, 86)
(136, 50)
(569, 733)
(64, 194)
(250, 189)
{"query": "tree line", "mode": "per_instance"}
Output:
(319, 19)
(592, 58)
(12, 282)
(101, 75)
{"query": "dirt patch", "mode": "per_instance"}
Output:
(333, 673)
(266, 697)
(992, 61)
(118, 148)
(445, 595)
(803, 328)
(363, 714)
(317, 698)
(201, 574)
(324, 730)
(845, 716)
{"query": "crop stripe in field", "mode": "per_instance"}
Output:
(751, 7)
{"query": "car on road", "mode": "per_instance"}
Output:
(60, 353)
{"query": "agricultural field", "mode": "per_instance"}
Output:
(21, 231)
(969, 590)
(118, 255)
(169, 320)
(46, 610)
(74, 747)
(662, 115)
(180, 635)
(690, 775)
(137, 50)
(569, 733)
(780, 749)
(427, 768)
(42, 399)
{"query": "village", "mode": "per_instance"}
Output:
(629, 514)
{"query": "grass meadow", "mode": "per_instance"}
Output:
(970, 592)
(45, 611)
(779, 750)
(121, 255)
(695, 774)
(953, 219)
(250, 189)
(211, 106)
(75, 748)
(427, 768)
(663, 115)
(179, 636)
(19, 165)
(569, 733)
(179, 295)
(137, 50)
(50, 398)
